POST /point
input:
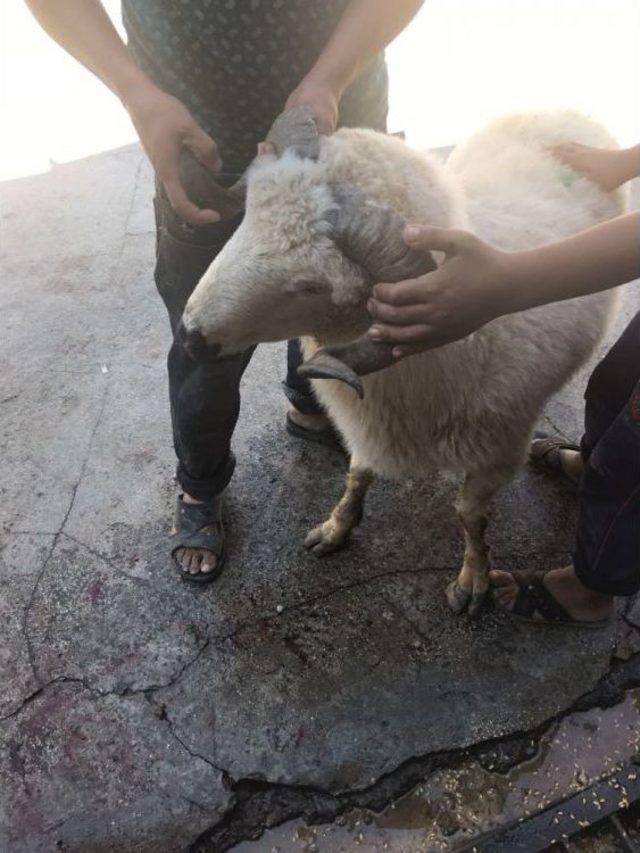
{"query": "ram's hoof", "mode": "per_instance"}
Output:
(458, 598)
(322, 541)
(479, 602)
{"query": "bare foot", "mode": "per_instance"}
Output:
(609, 168)
(581, 604)
(572, 463)
(196, 560)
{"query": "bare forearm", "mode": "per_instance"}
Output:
(165, 126)
(84, 30)
(366, 27)
(631, 163)
(597, 259)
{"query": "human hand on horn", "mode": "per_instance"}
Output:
(321, 99)
(469, 289)
(166, 127)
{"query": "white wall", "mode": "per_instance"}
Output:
(461, 62)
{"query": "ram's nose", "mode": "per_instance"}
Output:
(195, 344)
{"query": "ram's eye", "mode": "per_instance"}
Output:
(306, 286)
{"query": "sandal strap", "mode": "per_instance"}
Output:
(189, 523)
(191, 518)
(534, 598)
(207, 541)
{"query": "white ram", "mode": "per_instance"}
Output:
(323, 223)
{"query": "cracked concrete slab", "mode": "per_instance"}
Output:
(457, 807)
(288, 671)
(336, 695)
(79, 771)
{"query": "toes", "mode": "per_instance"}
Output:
(208, 563)
(504, 600)
(183, 559)
(194, 566)
(457, 597)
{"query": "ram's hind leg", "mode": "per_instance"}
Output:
(347, 514)
(470, 590)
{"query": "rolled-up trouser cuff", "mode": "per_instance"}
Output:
(599, 583)
(202, 489)
(306, 404)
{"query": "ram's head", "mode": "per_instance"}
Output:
(302, 262)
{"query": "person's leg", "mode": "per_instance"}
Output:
(609, 387)
(606, 560)
(607, 553)
(204, 397)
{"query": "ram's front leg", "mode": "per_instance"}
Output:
(347, 514)
(470, 590)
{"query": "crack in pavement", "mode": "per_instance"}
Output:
(56, 539)
(258, 805)
(119, 692)
(210, 639)
(207, 641)
(163, 715)
(557, 429)
(263, 805)
(310, 602)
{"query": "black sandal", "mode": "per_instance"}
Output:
(535, 604)
(544, 454)
(190, 521)
(328, 436)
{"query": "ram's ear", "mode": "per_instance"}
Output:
(306, 286)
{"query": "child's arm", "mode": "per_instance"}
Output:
(609, 168)
(477, 282)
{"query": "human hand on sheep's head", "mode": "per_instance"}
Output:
(166, 127)
(321, 99)
(468, 290)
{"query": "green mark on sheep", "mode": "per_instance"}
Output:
(568, 178)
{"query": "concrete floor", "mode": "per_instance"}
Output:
(140, 714)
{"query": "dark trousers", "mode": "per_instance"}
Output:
(205, 398)
(607, 551)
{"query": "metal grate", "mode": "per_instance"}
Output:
(604, 818)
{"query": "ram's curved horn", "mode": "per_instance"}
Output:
(370, 235)
(294, 129)
(348, 362)
(203, 188)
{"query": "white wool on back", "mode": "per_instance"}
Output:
(470, 406)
